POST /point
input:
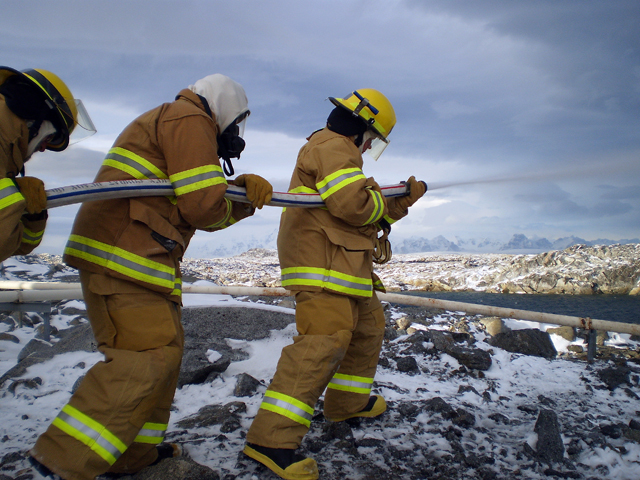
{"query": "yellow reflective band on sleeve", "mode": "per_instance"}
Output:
(177, 290)
(328, 279)
(389, 219)
(337, 180)
(91, 433)
(197, 179)
(9, 193)
(378, 285)
(133, 164)
(32, 238)
(121, 261)
(351, 383)
(288, 407)
(378, 209)
(224, 223)
(152, 433)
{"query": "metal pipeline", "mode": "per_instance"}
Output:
(58, 197)
(48, 291)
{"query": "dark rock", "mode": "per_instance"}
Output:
(463, 418)
(177, 468)
(213, 415)
(8, 337)
(529, 341)
(438, 405)
(614, 376)
(611, 430)
(407, 365)
(474, 358)
(499, 418)
(635, 424)
(549, 448)
(246, 385)
(31, 383)
(196, 368)
(37, 349)
(408, 410)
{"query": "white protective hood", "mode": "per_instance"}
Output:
(226, 98)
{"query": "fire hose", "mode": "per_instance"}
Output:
(61, 196)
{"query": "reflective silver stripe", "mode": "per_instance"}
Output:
(9, 193)
(325, 279)
(195, 179)
(146, 273)
(91, 433)
(323, 190)
(151, 433)
(379, 207)
(287, 406)
(143, 171)
(31, 237)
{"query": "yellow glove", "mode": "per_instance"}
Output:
(32, 189)
(416, 190)
(259, 191)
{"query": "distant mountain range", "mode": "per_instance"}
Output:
(518, 243)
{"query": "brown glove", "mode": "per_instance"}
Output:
(372, 184)
(259, 191)
(32, 189)
(416, 190)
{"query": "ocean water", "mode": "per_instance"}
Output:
(615, 308)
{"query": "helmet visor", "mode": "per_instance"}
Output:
(241, 122)
(84, 121)
(377, 147)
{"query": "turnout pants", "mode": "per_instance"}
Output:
(120, 410)
(337, 348)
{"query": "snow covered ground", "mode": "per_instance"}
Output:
(411, 440)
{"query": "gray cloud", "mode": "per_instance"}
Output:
(528, 107)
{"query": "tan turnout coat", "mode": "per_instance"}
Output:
(18, 234)
(142, 240)
(331, 248)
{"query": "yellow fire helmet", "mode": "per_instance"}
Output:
(67, 110)
(375, 110)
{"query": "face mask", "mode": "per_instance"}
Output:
(44, 135)
(230, 145)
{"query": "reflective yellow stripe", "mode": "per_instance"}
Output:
(133, 164)
(223, 223)
(378, 210)
(121, 261)
(329, 279)
(337, 180)
(9, 193)
(197, 179)
(351, 383)
(152, 433)
(177, 290)
(32, 238)
(93, 434)
(288, 407)
(389, 219)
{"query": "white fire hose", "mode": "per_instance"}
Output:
(58, 197)
(18, 291)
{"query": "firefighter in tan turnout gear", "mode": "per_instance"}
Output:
(37, 113)
(326, 258)
(128, 252)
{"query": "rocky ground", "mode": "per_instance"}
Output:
(577, 270)
(463, 404)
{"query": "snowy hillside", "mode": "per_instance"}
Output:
(460, 407)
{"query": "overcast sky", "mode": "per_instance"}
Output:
(532, 108)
